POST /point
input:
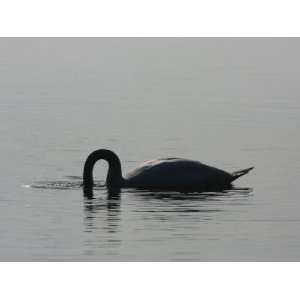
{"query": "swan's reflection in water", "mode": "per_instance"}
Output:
(110, 204)
(115, 222)
(102, 219)
(157, 205)
(184, 207)
(102, 206)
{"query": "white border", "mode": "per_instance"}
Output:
(149, 281)
(149, 18)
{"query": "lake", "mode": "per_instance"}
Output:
(229, 102)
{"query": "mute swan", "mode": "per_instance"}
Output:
(165, 173)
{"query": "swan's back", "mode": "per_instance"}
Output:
(177, 173)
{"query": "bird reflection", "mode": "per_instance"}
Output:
(184, 195)
(109, 204)
(165, 205)
(159, 204)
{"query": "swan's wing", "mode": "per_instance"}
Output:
(174, 172)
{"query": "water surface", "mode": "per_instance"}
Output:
(231, 103)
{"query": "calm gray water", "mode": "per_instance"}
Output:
(231, 103)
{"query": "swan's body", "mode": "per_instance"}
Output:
(176, 173)
(165, 173)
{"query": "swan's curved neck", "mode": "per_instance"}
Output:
(114, 175)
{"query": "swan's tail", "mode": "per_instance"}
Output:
(240, 173)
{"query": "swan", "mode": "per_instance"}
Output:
(165, 173)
